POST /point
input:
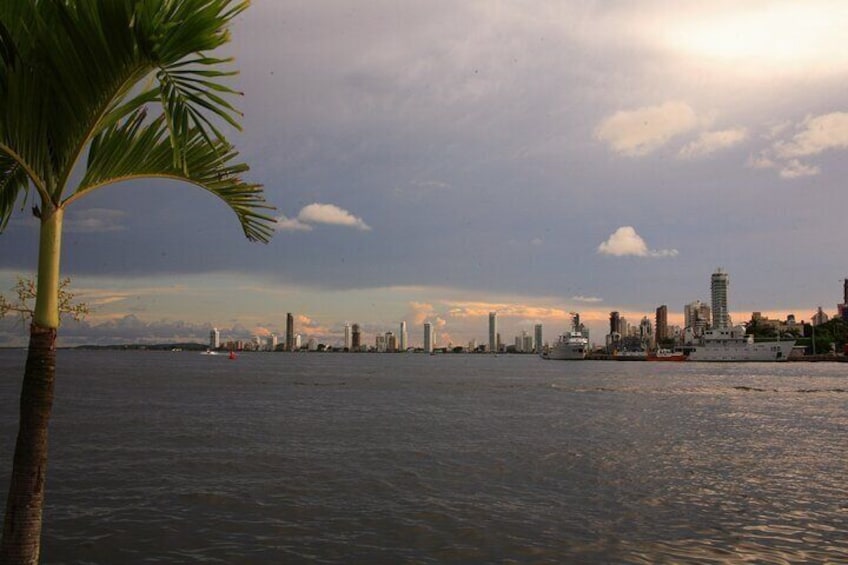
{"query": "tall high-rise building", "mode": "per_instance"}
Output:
(615, 323)
(696, 315)
(662, 323)
(356, 338)
(493, 332)
(428, 337)
(538, 334)
(403, 337)
(214, 339)
(646, 332)
(289, 332)
(348, 338)
(391, 342)
(842, 309)
(718, 288)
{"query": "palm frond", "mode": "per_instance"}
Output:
(82, 76)
(192, 91)
(136, 148)
(13, 184)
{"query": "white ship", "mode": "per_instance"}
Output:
(732, 344)
(571, 345)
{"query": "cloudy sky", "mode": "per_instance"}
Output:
(438, 160)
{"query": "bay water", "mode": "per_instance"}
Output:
(170, 457)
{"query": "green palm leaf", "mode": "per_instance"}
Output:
(136, 149)
(77, 76)
(13, 184)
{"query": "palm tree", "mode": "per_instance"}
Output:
(93, 93)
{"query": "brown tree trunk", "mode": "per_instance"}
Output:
(22, 524)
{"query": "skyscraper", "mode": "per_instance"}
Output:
(493, 332)
(718, 288)
(696, 315)
(615, 323)
(428, 337)
(538, 338)
(289, 332)
(356, 338)
(214, 339)
(662, 323)
(403, 337)
(348, 343)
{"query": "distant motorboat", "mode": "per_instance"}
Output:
(209, 352)
(666, 355)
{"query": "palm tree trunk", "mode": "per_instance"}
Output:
(22, 524)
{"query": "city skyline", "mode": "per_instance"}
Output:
(440, 161)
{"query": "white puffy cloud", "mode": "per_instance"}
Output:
(317, 213)
(711, 141)
(291, 224)
(638, 132)
(330, 214)
(625, 241)
(813, 136)
(817, 134)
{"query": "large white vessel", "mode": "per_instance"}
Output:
(732, 344)
(571, 345)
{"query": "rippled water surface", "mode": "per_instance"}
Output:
(344, 458)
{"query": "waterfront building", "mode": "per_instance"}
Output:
(646, 333)
(617, 330)
(380, 343)
(356, 338)
(391, 342)
(348, 337)
(819, 317)
(718, 290)
(289, 332)
(403, 337)
(214, 339)
(272, 342)
(662, 324)
(696, 317)
(538, 336)
(524, 342)
(312, 345)
(493, 332)
(842, 309)
(298, 342)
(429, 338)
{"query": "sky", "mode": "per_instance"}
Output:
(435, 161)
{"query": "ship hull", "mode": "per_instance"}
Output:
(766, 351)
(567, 352)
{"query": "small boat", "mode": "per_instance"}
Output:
(209, 352)
(667, 355)
(233, 355)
